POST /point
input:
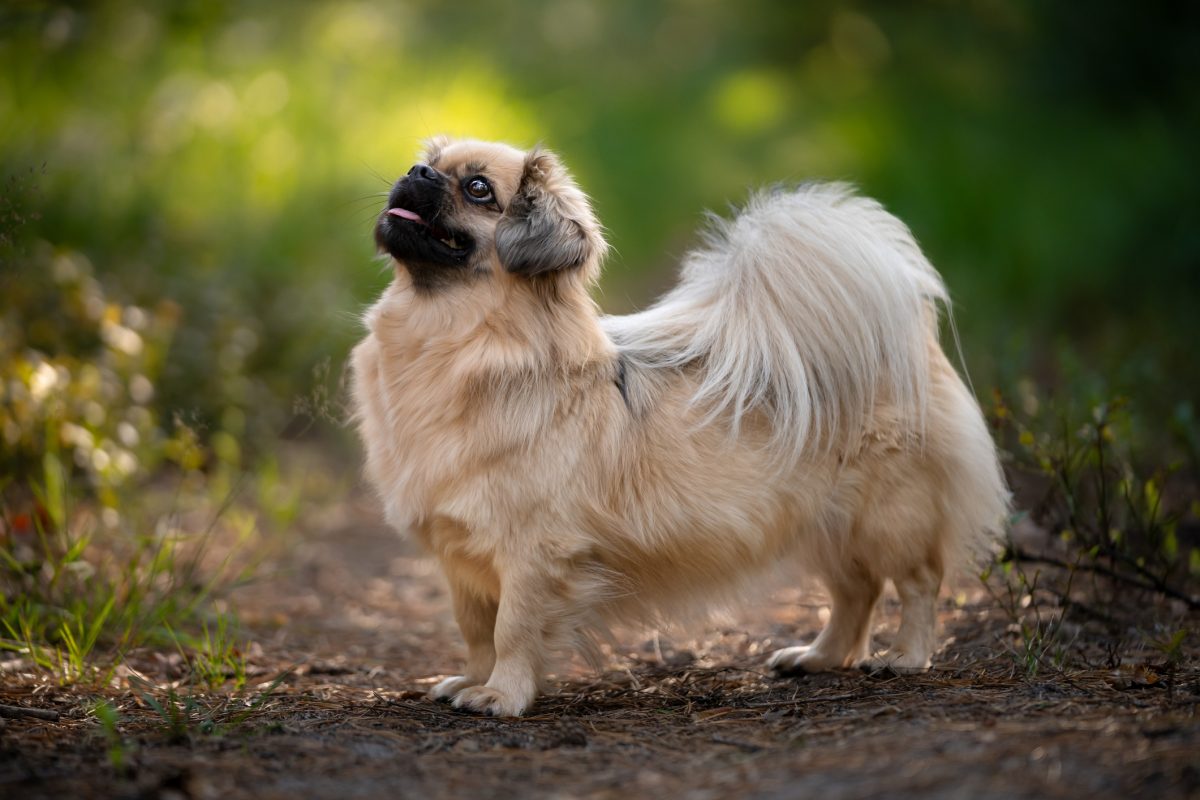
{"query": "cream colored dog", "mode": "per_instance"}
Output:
(788, 397)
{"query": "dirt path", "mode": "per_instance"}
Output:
(367, 621)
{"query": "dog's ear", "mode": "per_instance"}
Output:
(548, 225)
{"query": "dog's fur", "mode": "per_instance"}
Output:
(789, 396)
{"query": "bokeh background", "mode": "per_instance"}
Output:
(189, 187)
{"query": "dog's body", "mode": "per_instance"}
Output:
(789, 397)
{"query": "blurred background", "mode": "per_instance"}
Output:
(189, 188)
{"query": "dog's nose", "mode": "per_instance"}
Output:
(423, 172)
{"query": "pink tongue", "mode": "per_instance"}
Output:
(404, 213)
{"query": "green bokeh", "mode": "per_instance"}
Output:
(230, 156)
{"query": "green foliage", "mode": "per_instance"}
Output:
(77, 380)
(1097, 498)
(215, 656)
(97, 490)
(78, 597)
(1108, 524)
(232, 156)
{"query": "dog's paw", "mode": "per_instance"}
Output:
(487, 700)
(801, 659)
(896, 661)
(447, 689)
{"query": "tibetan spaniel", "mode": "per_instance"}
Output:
(787, 403)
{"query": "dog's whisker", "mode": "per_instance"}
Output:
(377, 174)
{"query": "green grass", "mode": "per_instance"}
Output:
(118, 749)
(216, 656)
(183, 715)
(79, 596)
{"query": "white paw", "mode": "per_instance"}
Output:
(895, 661)
(446, 689)
(801, 659)
(487, 700)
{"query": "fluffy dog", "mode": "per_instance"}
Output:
(788, 398)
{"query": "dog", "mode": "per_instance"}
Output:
(788, 399)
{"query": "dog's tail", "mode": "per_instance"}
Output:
(813, 304)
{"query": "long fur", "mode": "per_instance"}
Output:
(812, 304)
(787, 400)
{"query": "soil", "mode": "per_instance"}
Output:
(358, 626)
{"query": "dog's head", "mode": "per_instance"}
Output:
(472, 210)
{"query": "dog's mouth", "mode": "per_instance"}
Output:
(457, 244)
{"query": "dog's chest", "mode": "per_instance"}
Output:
(411, 420)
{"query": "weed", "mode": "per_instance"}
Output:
(180, 714)
(1114, 520)
(1108, 528)
(1040, 629)
(184, 716)
(214, 657)
(104, 545)
(242, 716)
(78, 594)
(118, 749)
(1171, 647)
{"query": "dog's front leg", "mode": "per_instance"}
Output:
(476, 617)
(530, 609)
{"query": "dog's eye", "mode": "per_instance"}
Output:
(479, 189)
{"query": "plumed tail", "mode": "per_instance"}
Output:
(812, 304)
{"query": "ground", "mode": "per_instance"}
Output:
(363, 623)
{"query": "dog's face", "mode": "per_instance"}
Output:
(475, 210)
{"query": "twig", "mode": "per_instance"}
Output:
(1150, 583)
(17, 712)
(799, 701)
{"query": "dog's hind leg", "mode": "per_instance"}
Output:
(845, 640)
(916, 639)
(903, 529)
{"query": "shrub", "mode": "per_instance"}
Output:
(97, 491)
